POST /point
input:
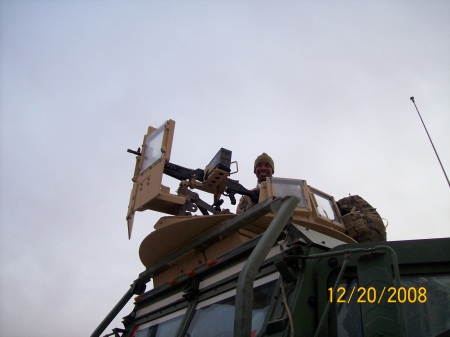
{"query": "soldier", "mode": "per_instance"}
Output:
(263, 168)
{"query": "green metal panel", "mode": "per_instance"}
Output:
(375, 277)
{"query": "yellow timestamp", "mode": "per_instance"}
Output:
(374, 295)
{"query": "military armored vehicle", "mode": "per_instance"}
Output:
(297, 263)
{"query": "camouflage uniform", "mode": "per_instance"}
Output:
(244, 204)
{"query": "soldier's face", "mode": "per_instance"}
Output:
(262, 171)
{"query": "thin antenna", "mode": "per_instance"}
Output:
(448, 182)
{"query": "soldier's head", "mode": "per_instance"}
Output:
(264, 167)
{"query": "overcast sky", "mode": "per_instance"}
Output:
(324, 87)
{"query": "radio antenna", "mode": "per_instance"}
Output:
(443, 170)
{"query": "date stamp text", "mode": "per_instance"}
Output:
(373, 295)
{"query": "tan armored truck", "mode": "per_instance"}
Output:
(298, 263)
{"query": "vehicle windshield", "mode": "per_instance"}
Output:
(166, 326)
(215, 317)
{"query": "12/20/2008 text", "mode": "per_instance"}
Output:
(373, 295)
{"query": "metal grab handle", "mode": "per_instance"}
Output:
(244, 288)
(135, 289)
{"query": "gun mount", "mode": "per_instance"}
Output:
(148, 193)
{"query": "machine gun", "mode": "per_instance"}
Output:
(232, 186)
(214, 179)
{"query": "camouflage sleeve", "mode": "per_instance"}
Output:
(244, 203)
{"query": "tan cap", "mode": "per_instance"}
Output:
(264, 158)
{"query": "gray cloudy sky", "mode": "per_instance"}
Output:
(324, 87)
